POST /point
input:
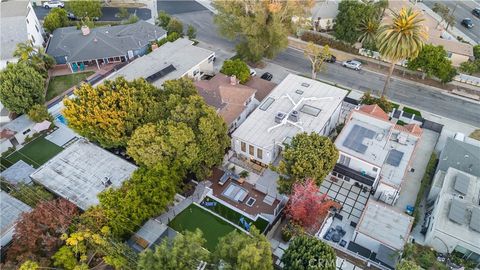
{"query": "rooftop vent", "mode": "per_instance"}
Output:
(279, 117)
(294, 116)
(298, 91)
(106, 182)
(305, 85)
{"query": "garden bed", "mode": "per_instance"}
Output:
(411, 111)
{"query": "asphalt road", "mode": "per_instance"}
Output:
(108, 13)
(462, 9)
(409, 93)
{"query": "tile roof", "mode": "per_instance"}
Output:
(229, 99)
(375, 111)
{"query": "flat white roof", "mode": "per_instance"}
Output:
(181, 54)
(456, 221)
(377, 142)
(79, 173)
(314, 101)
(385, 224)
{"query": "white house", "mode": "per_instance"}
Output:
(14, 133)
(374, 152)
(18, 23)
(297, 104)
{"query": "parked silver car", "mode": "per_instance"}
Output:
(352, 64)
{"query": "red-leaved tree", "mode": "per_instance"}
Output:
(307, 205)
(37, 233)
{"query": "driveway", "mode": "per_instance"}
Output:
(108, 13)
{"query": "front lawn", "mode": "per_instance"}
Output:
(194, 217)
(412, 111)
(35, 153)
(60, 84)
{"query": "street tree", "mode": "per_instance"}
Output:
(38, 233)
(446, 72)
(308, 253)
(110, 112)
(432, 61)
(407, 265)
(38, 113)
(382, 102)
(185, 253)
(470, 67)
(55, 19)
(21, 87)
(238, 250)
(262, 27)
(317, 57)
(191, 32)
(238, 68)
(146, 194)
(86, 8)
(307, 156)
(175, 26)
(350, 16)
(442, 10)
(306, 204)
(163, 19)
(401, 39)
(29, 265)
(476, 51)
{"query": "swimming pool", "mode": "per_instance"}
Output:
(60, 118)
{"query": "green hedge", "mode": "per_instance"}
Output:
(332, 43)
(411, 111)
(426, 180)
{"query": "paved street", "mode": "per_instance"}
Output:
(462, 10)
(108, 13)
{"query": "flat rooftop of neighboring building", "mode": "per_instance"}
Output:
(11, 211)
(379, 142)
(170, 61)
(13, 26)
(385, 224)
(81, 171)
(18, 173)
(314, 101)
(151, 233)
(458, 202)
(460, 155)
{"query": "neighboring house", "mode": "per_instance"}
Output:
(4, 115)
(383, 231)
(458, 52)
(18, 173)
(102, 45)
(18, 23)
(232, 100)
(151, 234)
(262, 86)
(375, 153)
(297, 104)
(170, 61)
(15, 132)
(324, 13)
(454, 223)
(461, 155)
(11, 211)
(81, 171)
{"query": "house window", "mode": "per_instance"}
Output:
(36, 27)
(28, 21)
(375, 169)
(196, 72)
(344, 160)
(33, 39)
(211, 58)
(243, 146)
(251, 150)
(259, 153)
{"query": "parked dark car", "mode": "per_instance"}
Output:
(71, 16)
(331, 59)
(476, 12)
(267, 76)
(468, 23)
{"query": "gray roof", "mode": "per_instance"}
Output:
(102, 42)
(460, 155)
(475, 219)
(11, 211)
(151, 233)
(387, 256)
(13, 28)
(19, 124)
(18, 173)
(462, 182)
(457, 212)
(80, 172)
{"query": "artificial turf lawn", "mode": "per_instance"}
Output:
(60, 84)
(35, 153)
(234, 217)
(194, 217)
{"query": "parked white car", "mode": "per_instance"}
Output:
(252, 72)
(53, 4)
(352, 64)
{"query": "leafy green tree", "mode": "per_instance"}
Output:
(407, 265)
(191, 32)
(238, 68)
(403, 38)
(38, 113)
(29, 265)
(446, 72)
(86, 8)
(123, 13)
(476, 51)
(21, 87)
(146, 194)
(55, 19)
(382, 102)
(470, 67)
(175, 25)
(442, 10)
(173, 36)
(317, 57)
(261, 27)
(307, 156)
(238, 250)
(110, 112)
(35, 57)
(131, 19)
(186, 252)
(308, 253)
(432, 61)
(351, 14)
(163, 19)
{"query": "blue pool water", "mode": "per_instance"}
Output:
(61, 119)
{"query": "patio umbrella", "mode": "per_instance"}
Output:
(42, 126)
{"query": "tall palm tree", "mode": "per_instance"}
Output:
(368, 28)
(400, 39)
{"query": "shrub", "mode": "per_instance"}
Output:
(173, 36)
(175, 25)
(38, 113)
(332, 43)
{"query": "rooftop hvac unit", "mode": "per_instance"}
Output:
(279, 117)
(294, 116)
